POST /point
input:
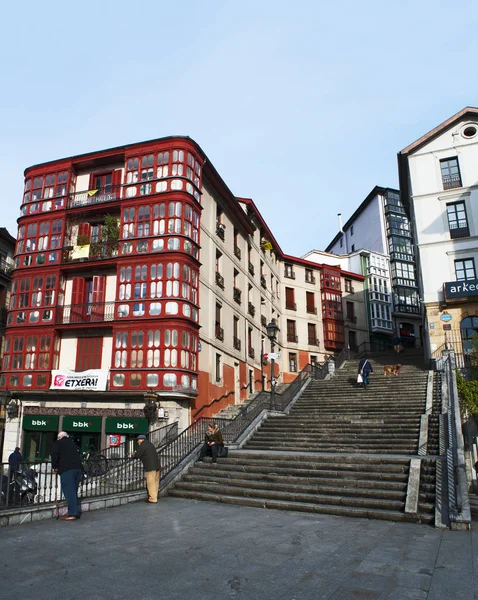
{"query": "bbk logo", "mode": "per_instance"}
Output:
(39, 423)
(81, 424)
(125, 425)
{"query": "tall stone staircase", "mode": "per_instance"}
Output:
(341, 450)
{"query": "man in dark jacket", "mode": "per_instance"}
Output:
(365, 369)
(149, 457)
(15, 460)
(66, 460)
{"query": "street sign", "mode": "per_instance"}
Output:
(274, 356)
(447, 327)
(445, 317)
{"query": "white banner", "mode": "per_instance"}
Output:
(92, 380)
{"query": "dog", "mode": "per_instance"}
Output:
(391, 370)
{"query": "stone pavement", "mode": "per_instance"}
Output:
(187, 550)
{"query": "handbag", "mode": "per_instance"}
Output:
(223, 452)
(359, 378)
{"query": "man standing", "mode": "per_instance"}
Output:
(66, 460)
(15, 460)
(149, 457)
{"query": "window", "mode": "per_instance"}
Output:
(353, 248)
(291, 331)
(350, 312)
(469, 333)
(88, 353)
(312, 334)
(348, 286)
(341, 242)
(309, 276)
(310, 302)
(465, 269)
(218, 368)
(289, 299)
(352, 230)
(450, 173)
(457, 221)
(292, 362)
(289, 271)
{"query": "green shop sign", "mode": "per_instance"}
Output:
(86, 424)
(126, 425)
(41, 422)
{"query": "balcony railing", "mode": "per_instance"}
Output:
(381, 324)
(394, 208)
(93, 312)
(221, 231)
(402, 256)
(291, 305)
(89, 252)
(292, 337)
(237, 251)
(92, 197)
(219, 280)
(219, 333)
(251, 353)
(404, 282)
(251, 309)
(264, 282)
(451, 181)
(351, 319)
(289, 274)
(263, 321)
(310, 279)
(236, 343)
(237, 295)
(312, 310)
(399, 231)
(349, 289)
(380, 296)
(251, 268)
(313, 341)
(6, 267)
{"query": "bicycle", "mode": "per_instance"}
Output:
(95, 464)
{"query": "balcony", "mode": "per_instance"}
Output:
(405, 256)
(292, 337)
(264, 282)
(251, 268)
(313, 341)
(394, 208)
(404, 282)
(236, 342)
(310, 279)
(312, 310)
(381, 324)
(380, 296)
(94, 197)
(399, 231)
(459, 232)
(407, 308)
(219, 333)
(351, 319)
(451, 181)
(291, 306)
(349, 289)
(76, 314)
(237, 251)
(219, 280)
(263, 321)
(71, 254)
(5, 267)
(251, 353)
(237, 295)
(251, 309)
(221, 231)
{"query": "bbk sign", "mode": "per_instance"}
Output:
(126, 425)
(40, 422)
(72, 424)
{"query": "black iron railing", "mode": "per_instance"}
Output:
(95, 312)
(220, 280)
(91, 197)
(100, 251)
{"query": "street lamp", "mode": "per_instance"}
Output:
(5, 398)
(272, 330)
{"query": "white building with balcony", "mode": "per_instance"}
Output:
(439, 189)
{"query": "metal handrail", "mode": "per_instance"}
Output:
(93, 312)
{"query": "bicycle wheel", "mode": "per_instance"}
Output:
(96, 465)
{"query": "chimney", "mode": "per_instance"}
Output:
(340, 222)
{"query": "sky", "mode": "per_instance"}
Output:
(301, 105)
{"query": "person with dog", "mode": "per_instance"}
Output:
(148, 455)
(213, 443)
(365, 369)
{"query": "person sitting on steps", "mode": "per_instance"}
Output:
(213, 442)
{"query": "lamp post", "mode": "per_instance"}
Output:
(5, 398)
(272, 330)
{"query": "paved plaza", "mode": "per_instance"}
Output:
(187, 550)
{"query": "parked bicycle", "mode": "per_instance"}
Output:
(95, 464)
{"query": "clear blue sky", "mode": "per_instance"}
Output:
(301, 105)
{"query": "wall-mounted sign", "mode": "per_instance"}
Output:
(461, 289)
(445, 317)
(40, 422)
(92, 380)
(447, 327)
(82, 424)
(432, 325)
(126, 425)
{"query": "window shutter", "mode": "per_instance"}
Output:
(77, 299)
(98, 297)
(84, 229)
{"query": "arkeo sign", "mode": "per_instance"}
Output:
(92, 380)
(461, 289)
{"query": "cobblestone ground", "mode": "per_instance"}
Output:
(185, 550)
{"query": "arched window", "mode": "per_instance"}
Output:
(469, 333)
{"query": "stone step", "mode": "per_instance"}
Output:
(346, 511)
(332, 448)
